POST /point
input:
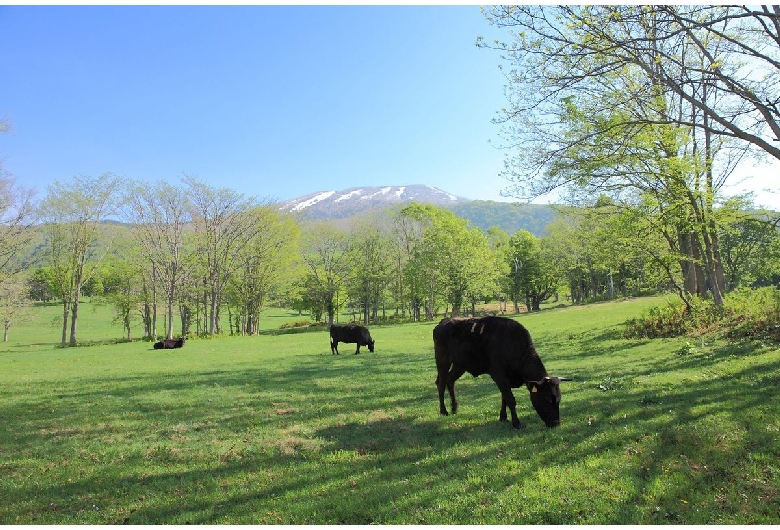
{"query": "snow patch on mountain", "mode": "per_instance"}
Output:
(380, 192)
(349, 195)
(312, 201)
(453, 198)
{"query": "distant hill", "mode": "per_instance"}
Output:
(342, 205)
(508, 216)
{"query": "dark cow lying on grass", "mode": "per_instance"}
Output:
(349, 333)
(503, 349)
(166, 344)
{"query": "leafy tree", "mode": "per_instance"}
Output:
(121, 288)
(325, 256)
(533, 274)
(500, 246)
(42, 284)
(267, 263)
(17, 215)
(14, 302)
(618, 100)
(72, 213)
(160, 214)
(486, 268)
(750, 244)
(370, 264)
(405, 286)
(450, 259)
(224, 226)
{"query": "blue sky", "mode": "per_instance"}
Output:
(274, 102)
(270, 101)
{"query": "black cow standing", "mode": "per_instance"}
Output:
(349, 333)
(503, 349)
(166, 344)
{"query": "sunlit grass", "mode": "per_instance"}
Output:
(274, 429)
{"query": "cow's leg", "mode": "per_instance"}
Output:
(441, 384)
(502, 414)
(334, 347)
(358, 349)
(453, 376)
(507, 399)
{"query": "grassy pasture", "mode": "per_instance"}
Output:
(273, 429)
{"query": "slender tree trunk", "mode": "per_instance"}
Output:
(65, 313)
(169, 319)
(154, 303)
(74, 319)
(127, 325)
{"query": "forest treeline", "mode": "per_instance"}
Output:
(193, 258)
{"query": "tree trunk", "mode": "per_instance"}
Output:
(154, 304)
(74, 319)
(65, 313)
(169, 320)
(693, 275)
(127, 326)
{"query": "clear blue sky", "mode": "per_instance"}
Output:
(274, 102)
(270, 101)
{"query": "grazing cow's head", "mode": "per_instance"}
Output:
(371, 346)
(545, 397)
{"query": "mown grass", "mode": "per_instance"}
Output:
(274, 429)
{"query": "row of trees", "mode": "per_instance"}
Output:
(214, 257)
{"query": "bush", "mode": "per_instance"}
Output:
(754, 314)
(750, 314)
(298, 324)
(672, 320)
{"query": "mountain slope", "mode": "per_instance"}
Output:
(346, 203)
(342, 205)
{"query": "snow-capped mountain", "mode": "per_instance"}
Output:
(342, 204)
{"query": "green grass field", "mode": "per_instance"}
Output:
(274, 429)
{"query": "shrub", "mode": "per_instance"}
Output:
(750, 314)
(298, 324)
(754, 314)
(671, 320)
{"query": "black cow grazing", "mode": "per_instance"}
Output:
(349, 333)
(167, 344)
(503, 349)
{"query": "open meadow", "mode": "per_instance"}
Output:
(275, 429)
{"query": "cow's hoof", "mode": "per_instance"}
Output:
(519, 425)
